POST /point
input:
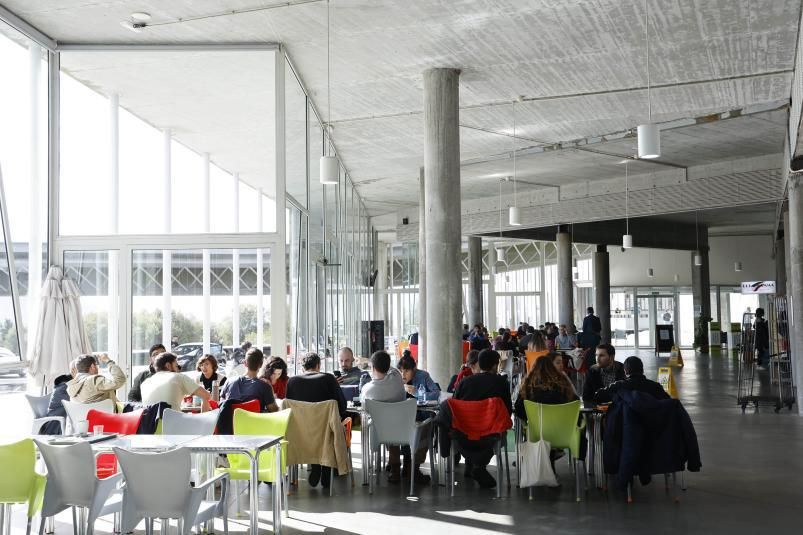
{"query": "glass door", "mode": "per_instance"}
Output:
(654, 309)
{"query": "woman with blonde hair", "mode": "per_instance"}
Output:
(545, 384)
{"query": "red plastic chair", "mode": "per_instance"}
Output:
(213, 404)
(122, 424)
(466, 349)
(250, 406)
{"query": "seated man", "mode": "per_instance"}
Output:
(88, 386)
(565, 340)
(135, 394)
(250, 386)
(414, 378)
(349, 374)
(170, 386)
(636, 381)
(602, 374)
(313, 386)
(387, 386)
(55, 407)
(483, 385)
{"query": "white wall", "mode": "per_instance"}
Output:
(629, 268)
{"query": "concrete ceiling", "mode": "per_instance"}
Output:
(579, 64)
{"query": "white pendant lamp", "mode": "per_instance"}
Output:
(698, 258)
(677, 277)
(649, 141)
(627, 238)
(737, 266)
(500, 254)
(330, 169)
(649, 135)
(514, 217)
(329, 166)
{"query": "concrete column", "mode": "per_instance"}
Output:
(780, 265)
(602, 290)
(565, 293)
(491, 319)
(474, 280)
(422, 272)
(701, 296)
(442, 215)
(795, 230)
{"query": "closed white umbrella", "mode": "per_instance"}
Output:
(60, 335)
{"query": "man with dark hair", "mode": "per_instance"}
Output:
(387, 386)
(591, 323)
(348, 374)
(486, 384)
(524, 341)
(250, 386)
(135, 394)
(604, 373)
(170, 386)
(636, 381)
(55, 406)
(88, 386)
(762, 329)
(314, 386)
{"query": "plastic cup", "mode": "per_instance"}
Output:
(82, 427)
(97, 430)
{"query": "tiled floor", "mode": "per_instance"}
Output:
(750, 483)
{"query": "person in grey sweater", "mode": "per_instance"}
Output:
(387, 385)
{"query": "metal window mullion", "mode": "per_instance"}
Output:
(12, 268)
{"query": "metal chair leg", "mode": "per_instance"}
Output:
(577, 476)
(451, 471)
(499, 470)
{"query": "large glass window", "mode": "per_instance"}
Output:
(231, 121)
(295, 105)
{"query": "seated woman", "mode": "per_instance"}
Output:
(559, 361)
(275, 374)
(209, 377)
(469, 368)
(545, 384)
(414, 378)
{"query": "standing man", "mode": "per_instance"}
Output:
(88, 386)
(591, 323)
(136, 389)
(762, 339)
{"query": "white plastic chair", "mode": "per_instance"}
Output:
(78, 411)
(394, 424)
(158, 486)
(178, 423)
(39, 406)
(72, 482)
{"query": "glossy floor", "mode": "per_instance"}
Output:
(750, 483)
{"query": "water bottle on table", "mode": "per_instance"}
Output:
(422, 394)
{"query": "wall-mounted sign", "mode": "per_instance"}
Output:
(758, 287)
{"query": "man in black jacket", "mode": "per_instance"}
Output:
(591, 323)
(486, 384)
(636, 381)
(604, 373)
(314, 386)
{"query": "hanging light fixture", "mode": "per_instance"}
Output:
(677, 277)
(627, 238)
(737, 266)
(500, 251)
(698, 258)
(329, 166)
(500, 254)
(650, 272)
(514, 217)
(649, 135)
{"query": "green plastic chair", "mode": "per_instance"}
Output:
(20, 483)
(254, 423)
(560, 430)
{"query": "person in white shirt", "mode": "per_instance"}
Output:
(170, 386)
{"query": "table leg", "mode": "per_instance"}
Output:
(278, 490)
(254, 493)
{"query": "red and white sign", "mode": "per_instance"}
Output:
(758, 287)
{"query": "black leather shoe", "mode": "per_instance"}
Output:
(483, 477)
(315, 475)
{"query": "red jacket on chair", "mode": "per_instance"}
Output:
(477, 419)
